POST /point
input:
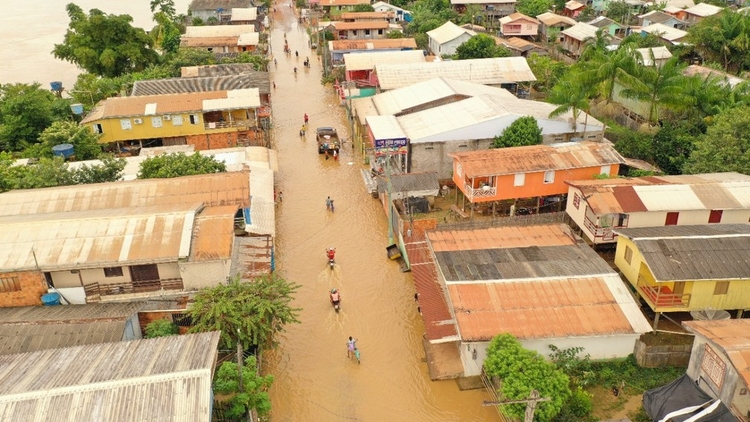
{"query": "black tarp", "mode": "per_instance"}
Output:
(679, 394)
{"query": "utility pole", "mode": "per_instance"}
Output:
(531, 403)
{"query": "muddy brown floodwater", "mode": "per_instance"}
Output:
(314, 379)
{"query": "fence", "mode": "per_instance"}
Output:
(518, 220)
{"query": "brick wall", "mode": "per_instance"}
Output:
(33, 286)
(218, 140)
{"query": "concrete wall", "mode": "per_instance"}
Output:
(197, 275)
(433, 156)
(74, 295)
(69, 279)
(662, 355)
(218, 140)
(32, 286)
(727, 383)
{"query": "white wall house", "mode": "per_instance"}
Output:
(444, 40)
(599, 206)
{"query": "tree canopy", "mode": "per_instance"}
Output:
(161, 328)
(522, 132)
(363, 8)
(725, 146)
(521, 371)
(250, 312)
(26, 110)
(533, 8)
(166, 166)
(480, 46)
(105, 45)
(618, 11)
(84, 141)
(723, 38)
(254, 394)
(49, 172)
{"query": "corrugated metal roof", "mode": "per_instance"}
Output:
(385, 127)
(251, 256)
(96, 238)
(240, 14)
(213, 234)
(251, 38)
(705, 72)
(421, 94)
(492, 71)
(552, 19)
(209, 31)
(23, 338)
(169, 378)
(411, 182)
(367, 61)
(732, 336)
(603, 21)
(581, 31)
(518, 44)
(210, 189)
(231, 40)
(342, 45)
(351, 26)
(659, 53)
(663, 31)
(703, 10)
(165, 104)
(212, 5)
(517, 16)
(324, 3)
(237, 99)
(230, 69)
(573, 5)
(448, 31)
(702, 230)
(364, 15)
(501, 237)
(252, 79)
(537, 158)
(68, 313)
(545, 309)
(262, 203)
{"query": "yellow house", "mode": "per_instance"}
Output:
(207, 120)
(687, 268)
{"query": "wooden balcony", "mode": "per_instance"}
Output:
(483, 192)
(94, 291)
(228, 125)
(660, 297)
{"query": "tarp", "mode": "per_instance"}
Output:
(680, 394)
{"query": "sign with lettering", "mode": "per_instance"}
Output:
(390, 143)
(713, 366)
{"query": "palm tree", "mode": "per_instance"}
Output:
(659, 86)
(604, 68)
(571, 95)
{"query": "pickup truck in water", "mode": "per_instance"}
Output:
(328, 140)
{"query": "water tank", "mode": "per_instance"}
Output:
(77, 108)
(63, 150)
(51, 299)
(56, 85)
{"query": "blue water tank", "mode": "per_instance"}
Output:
(51, 299)
(77, 108)
(63, 150)
(56, 85)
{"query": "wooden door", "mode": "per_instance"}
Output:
(145, 277)
(672, 218)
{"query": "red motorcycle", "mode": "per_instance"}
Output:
(331, 253)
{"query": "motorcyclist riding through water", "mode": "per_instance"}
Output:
(335, 299)
(331, 253)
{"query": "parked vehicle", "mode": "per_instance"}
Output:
(328, 140)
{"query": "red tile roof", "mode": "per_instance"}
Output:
(733, 336)
(573, 307)
(501, 238)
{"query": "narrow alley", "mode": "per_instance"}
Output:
(314, 380)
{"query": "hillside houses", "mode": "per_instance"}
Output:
(444, 40)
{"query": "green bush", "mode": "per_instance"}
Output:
(161, 328)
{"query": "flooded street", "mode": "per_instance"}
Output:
(314, 379)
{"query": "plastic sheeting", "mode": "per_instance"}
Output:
(679, 394)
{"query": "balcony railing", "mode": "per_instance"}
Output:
(226, 125)
(483, 192)
(94, 291)
(662, 296)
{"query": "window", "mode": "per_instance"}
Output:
(605, 170)
(622, 220)
(194, 119)
(519, 179)
(715, 216)
(9, 284)
(177, 120)
(113, 272)
(721, 287)
(576, 200)
(125, 124)
(672, 218)
(549, 177)
(97, 128)
(367, 32)
(156, 121)
(628, 255)
(380, 32)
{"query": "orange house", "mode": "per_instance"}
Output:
(531, 171)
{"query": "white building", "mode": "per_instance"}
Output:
(399, 14)
(445, 39)
(599, 206)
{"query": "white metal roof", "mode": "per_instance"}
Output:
(262, 205)
(248, 38)
(166, 379)
(663, 31)
(211, 31)
(740, 191)
(236, 99)
(549, 18)
(659, 53)
(663, 197)
(492, 71)
(385, 127)
(448, 31)
(581, 31)
(96, 238)
(703, 10)
(367, 61)
(244, 14)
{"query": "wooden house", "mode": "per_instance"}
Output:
(519, 25)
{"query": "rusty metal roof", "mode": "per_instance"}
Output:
(69, 313)
(251, 256)
(213, 234)
(339, 45)
(537, 158)
(544, 309)
(230, 188)
(411, 182)
(348, 26)
(501, 237)
(165, 104)
(365, 15)
(169, 378)
(689, 253)
(209, 41)
(732, 336)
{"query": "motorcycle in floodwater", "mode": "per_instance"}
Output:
(331, 253)
(335, 299)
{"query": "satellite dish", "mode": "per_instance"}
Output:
(710, 314)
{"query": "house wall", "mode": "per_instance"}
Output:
(629, 270)
(112, 130)
(362, 34)
(32, 286)
(534, 185)
(218, 140)
(717, 386)
(572, 45)
(520, 28)
(71, 295)
(69, 279)
(600, 347)
(578, 214)
(449, 48)
(433, 156)
(197, 275)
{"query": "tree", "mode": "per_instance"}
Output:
(521, 371)
(723, 38)
(480, 46)
(175, 165)
(248, 312)
(26, 110)
(166, 34)
(164, 6)
(49, 172)
(162, 328)
(547, 71)
(533, 7)
(571, 95)
(110, 170)
(254, 394)
(604, 68)
(364, 8)
(660, 87)
(85, 142)
(522, 132)
(105, 45)
(618, 11)
(672, 146)
(395, 35)
(725, 146)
